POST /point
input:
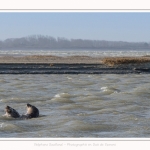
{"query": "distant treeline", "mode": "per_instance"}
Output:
(48, 42)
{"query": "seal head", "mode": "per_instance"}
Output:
(32, 111)
(10, 112)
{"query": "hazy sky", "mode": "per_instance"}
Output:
(114, 26)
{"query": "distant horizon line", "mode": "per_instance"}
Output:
(73, 39)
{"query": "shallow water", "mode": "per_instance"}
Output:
(106, 105)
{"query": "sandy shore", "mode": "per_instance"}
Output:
(110, 61)
(73, 65)
(50, 59)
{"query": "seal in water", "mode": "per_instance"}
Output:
(32, 112)
(10, 112)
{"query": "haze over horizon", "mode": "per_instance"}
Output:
(69, 39)
(109, 26)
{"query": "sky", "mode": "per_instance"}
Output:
(111, 26)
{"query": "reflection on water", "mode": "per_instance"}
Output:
(77, 105)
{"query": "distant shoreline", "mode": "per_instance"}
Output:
(49, 42)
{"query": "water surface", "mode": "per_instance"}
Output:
(106, 105)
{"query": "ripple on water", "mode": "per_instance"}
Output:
(78, 125)
(77, 105)
(71, 106)
(8, 127)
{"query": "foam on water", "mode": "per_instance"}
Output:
(104, 89)
(94, 53)
(63, 95)
(109, 90)
(62, 98)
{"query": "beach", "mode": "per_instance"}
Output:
(50, 59)
(48, 64)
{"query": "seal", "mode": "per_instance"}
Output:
(11, 112)
(32, 112)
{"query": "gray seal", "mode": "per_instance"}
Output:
(11, 112)
(32, 112)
